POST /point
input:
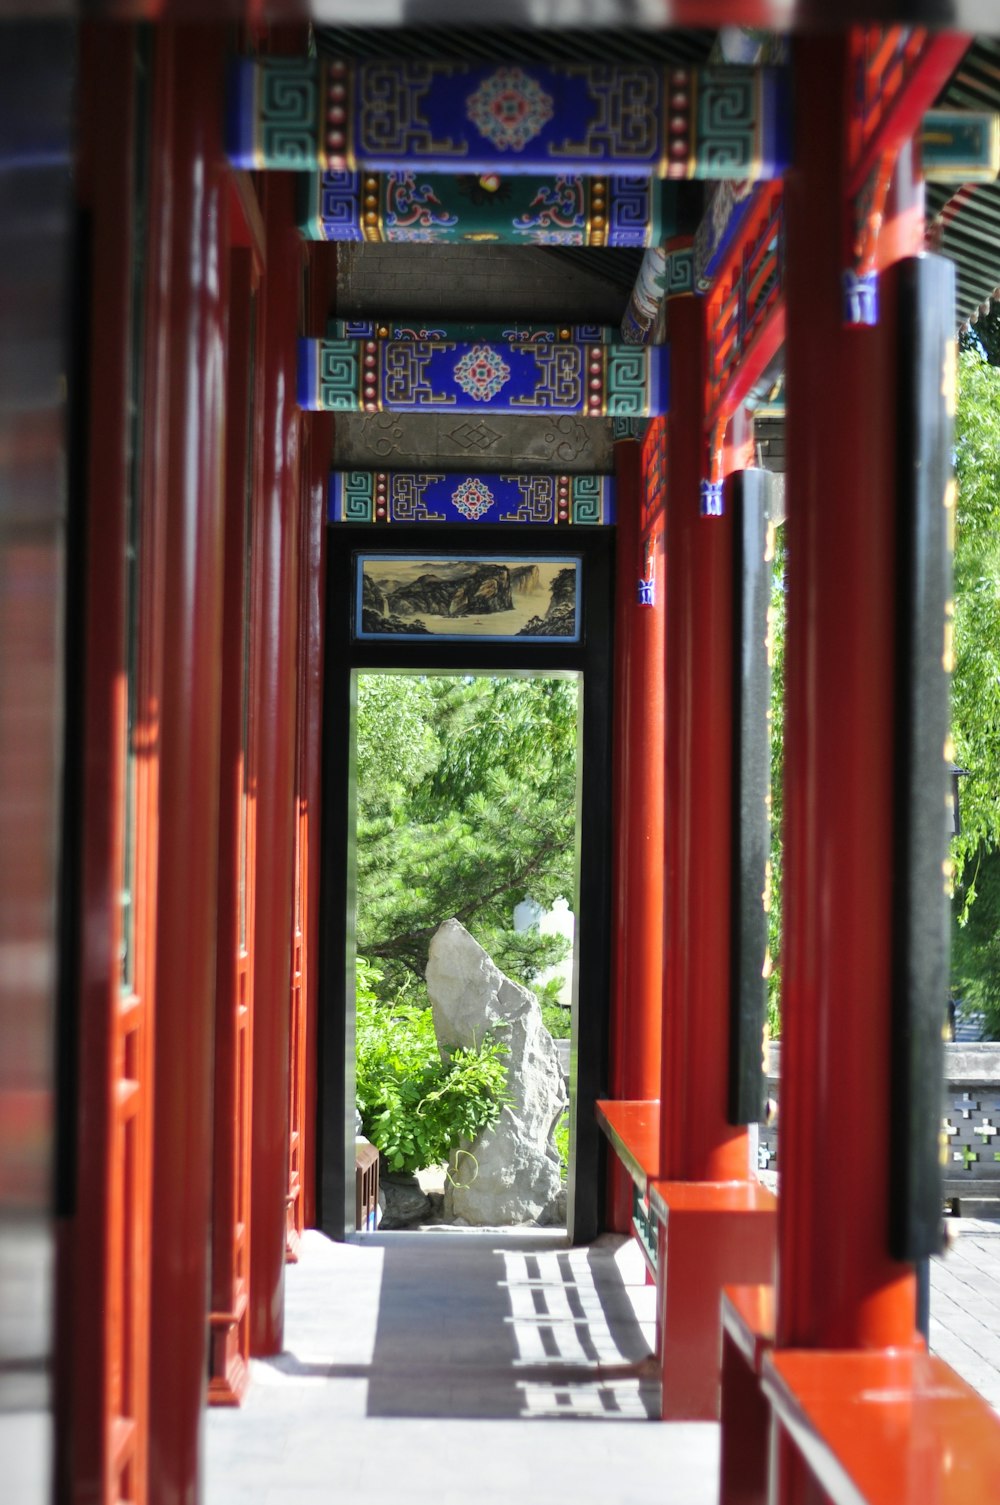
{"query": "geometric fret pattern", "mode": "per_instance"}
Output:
(511, 332)
(368, 496)
(415, 117)
(470, 376)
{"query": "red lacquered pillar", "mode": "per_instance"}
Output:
(229, 1371)
(708, 1235)
(619, 1207)
(318, 457)
(104, 1335)
(637, 1001)
(838, 1288)
(274, 708)
(698, 1144)
(190, 66)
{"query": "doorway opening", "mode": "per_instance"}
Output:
(462, 990)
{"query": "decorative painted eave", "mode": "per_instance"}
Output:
(446, 116)
(419, 376)
(395, 496)
(510, 333)
(553, 209)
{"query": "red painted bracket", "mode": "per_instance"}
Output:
(896, 76)
(745, 317)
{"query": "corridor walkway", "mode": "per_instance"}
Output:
(439, 1368)
(436, 1368)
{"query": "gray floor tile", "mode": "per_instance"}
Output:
(405, 1351)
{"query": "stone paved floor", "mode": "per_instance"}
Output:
(440, 1368)
(965, 1305)
(435, 1369)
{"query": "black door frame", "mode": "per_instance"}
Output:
(593, 657)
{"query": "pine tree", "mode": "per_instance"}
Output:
(466, 805)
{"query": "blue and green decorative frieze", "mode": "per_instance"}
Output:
(508, 333)
(386, 115)
(463, 376)
(393, 496)
(554, 210)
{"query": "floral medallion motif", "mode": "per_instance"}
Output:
(473, 498)
(483, 188)
(509, 108)
(482, 372)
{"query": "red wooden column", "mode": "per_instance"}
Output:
(275, 710)
(104, 1436)
(229, 1296)
(294, 1220)
(189, 78)
(317, 457)
(838, 1288)
(638, 822)
(698, 1142)
(715, 1225)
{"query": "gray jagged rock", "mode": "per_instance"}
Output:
(511, 1173)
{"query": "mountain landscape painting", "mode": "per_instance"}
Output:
(467, 596)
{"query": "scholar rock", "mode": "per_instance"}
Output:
(511, 1172)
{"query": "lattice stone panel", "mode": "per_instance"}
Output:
(970, 1126)
(971, 1132)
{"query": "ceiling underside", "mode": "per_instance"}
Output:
(968, 228)
(972, 16)
(508, 45)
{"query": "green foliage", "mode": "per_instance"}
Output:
(976, 681)
(415, 1107)
(975, 693)
(556, 1020)
(560, 1135)
(466, 805)
(976, 690)
(982, 339)
(975, 959)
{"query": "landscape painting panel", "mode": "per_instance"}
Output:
(412, 596)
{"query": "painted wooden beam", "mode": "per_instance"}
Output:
(510, 333)
(394, 496)
(439, 116)
(414, 376)
(550, 209)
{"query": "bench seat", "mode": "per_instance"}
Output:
(633, 1129)
(885, 1427)
(747, 1335)
(712, 1234)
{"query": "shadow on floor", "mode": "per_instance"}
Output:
(484, 1327)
